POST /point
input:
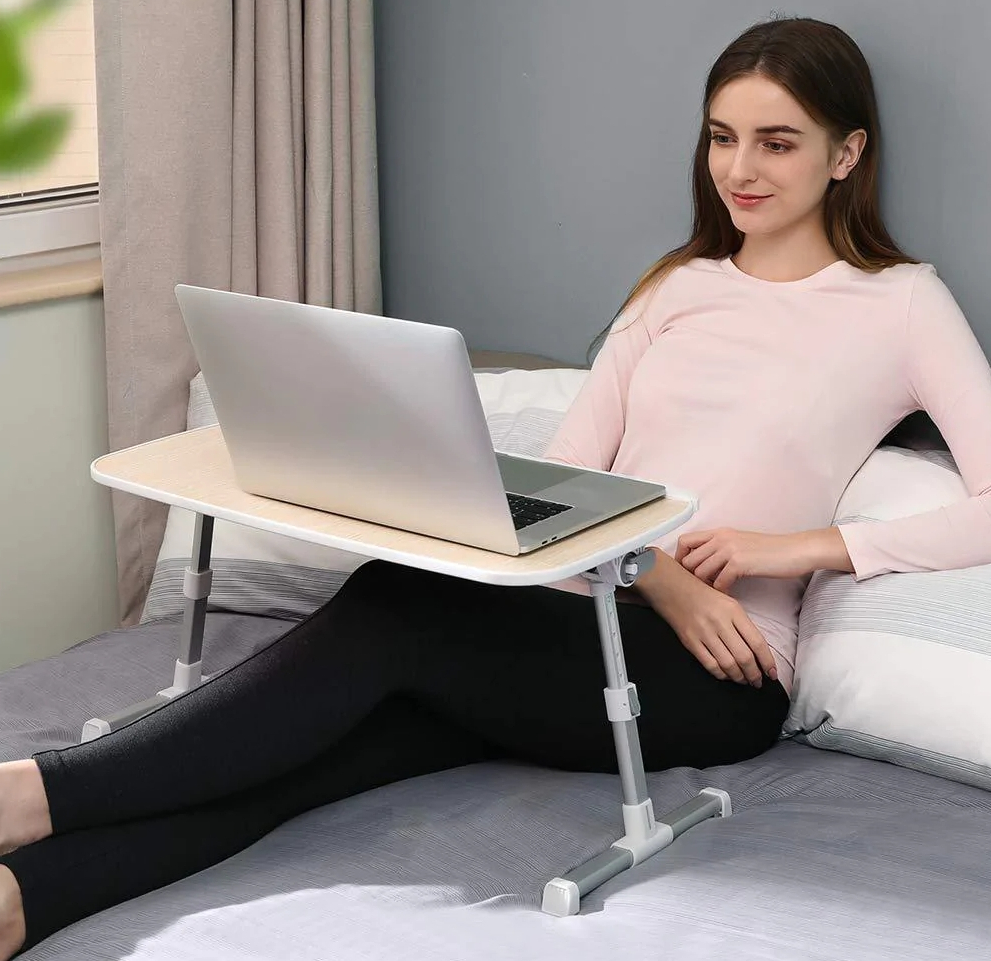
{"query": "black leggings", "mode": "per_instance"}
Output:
(403, 673)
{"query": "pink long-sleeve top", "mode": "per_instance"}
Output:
(765, 398)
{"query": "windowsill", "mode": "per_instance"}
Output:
(51, 283)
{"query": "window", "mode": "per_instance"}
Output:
(54, 207)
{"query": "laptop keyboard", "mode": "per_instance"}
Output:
(530, 510)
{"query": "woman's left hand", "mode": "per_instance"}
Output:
(722, 556)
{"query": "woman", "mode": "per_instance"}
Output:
(758, 365)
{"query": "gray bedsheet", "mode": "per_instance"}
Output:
(826, 856)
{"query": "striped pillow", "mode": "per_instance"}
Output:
(897, 667)
(256, 572)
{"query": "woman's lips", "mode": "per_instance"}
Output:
(749, 200)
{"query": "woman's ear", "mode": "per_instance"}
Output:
(848, 154)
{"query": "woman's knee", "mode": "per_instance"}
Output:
(368, 583)
(377, 603)
(396, 588)
(724, 723)
(378, 578)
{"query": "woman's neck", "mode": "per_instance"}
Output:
(786, 255)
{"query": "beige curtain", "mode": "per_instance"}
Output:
(237, 150)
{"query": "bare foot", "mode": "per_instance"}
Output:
(12, 927)
(24, 815)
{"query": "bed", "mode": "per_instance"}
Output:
(826, 855)
(831, 852)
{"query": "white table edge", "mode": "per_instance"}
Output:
(469, 571)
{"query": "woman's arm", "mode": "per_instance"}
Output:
(590, 434)
(824, 550)
(713, 627)
(722, 556)
(949, 377)
(951, 380)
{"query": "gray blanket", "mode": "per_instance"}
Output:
(826, 856)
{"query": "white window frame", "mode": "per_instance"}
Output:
(56, 228)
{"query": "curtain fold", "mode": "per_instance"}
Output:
(237, 151)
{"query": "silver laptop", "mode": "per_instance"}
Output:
(380, 419)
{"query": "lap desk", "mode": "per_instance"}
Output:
(192, 470)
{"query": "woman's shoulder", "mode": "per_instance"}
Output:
(913, 291)
(665, 295)
(679, 281)
(897, 275)
(700, 267)
(704, 265)
(677, 290)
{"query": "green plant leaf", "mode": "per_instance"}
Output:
(26, 140)
(13, 76)
(32, 14)
(29, 141)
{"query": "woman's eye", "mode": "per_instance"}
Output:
(719, 138)
(775, 147)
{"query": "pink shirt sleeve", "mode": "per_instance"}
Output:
(590, 434)
(950, 379)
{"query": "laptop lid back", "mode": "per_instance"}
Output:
(351, 413)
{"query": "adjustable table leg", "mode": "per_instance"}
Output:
(196, 588)
(188, 673)
(645, 835)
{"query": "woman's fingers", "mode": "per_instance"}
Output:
(726, 578)
(719, 634)
(691, 542)
(733, 655)
(701, 654)
(742, 655)
(686, 544)
(757, 643)
(702, 557)
(709, 569)
(724, 657)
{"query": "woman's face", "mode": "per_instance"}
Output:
(769, 160)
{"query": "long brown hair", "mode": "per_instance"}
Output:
(824, 70)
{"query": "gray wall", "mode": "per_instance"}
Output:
(534, 154)
(58, 569)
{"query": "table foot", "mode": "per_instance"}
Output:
(187, 676)
(644, 838)
(98, 726)
(188, 672)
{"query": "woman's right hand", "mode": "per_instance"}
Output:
(711, 625)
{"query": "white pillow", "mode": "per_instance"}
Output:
(896, 482)
(256, 572)
(897, 667)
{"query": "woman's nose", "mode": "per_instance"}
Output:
(743, 169)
